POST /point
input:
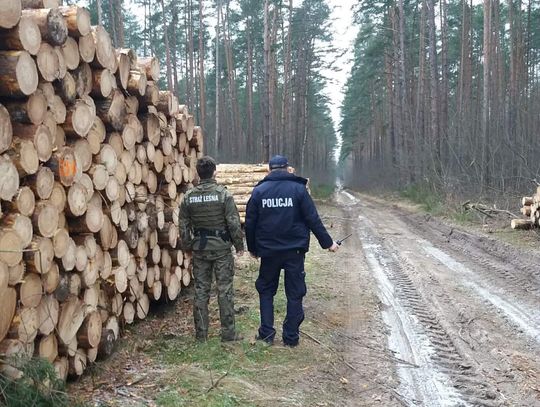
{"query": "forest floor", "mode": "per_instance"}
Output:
(412, 311)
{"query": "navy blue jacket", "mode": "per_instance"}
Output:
(280, 215)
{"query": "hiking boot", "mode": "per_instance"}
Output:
(268, 341)
(290, 345)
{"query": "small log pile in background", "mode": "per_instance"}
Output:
(530, 208)
(94, 160)
(240, 179)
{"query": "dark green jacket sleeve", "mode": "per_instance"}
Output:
(186, 231)
(233, 222)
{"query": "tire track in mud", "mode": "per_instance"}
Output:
(514, 311)
(521, 272)
(506, 281)
(443, 376)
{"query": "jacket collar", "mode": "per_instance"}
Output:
(283, 176)
(207, 181)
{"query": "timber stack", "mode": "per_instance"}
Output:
(94, 161)
(240, 179)
(530, 209)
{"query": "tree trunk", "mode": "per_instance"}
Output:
(119, 21)
(167, 47)
(99, 12)
(484, 165)
(434, 87)
(217, 135)
(267, 136)
(202, 90)
(249, 90)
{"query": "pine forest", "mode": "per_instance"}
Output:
(441, 93)
(410, 253)
(263, 73)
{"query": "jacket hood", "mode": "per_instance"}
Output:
(283, 176)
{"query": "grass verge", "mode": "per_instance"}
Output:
(169, 368)
(322, 191)
(424, 195)
(437, 204)
(248, 373)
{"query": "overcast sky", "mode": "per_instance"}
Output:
(344, 35)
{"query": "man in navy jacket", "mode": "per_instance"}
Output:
(279, 218)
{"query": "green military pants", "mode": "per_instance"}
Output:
(221, 264)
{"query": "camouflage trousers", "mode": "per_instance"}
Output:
(221, 264)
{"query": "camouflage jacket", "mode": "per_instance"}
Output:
(209, 219)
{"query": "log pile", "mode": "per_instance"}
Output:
(94, 160)
(240, 179)
(530, 209)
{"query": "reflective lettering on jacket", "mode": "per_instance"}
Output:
(277, 203)
(203, 198)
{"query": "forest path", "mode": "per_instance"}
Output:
(461, 309)
(409, 312)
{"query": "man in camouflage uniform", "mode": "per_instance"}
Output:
(209, 226)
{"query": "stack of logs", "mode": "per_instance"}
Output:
(530, 208)
(94, 160)
(240, 179)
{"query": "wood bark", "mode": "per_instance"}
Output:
(18, 74)
(112, 111)
(24, 37)
(51, 24)
(77, 20)
(8, 301)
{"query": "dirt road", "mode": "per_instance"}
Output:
(461, 311)
(410, 312)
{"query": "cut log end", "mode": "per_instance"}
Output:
(11, 13)
(6, 130)
(26, 74)
(521, 224)
(9, 181)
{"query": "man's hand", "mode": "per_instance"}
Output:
(334, 248)
(240, 253)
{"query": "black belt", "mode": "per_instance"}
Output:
(205, 233)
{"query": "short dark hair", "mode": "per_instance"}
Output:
(206, 166)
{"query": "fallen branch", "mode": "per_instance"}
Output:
(488, 211)
(216, 383)
(330, 349)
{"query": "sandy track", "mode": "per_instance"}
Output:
(462, 309)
